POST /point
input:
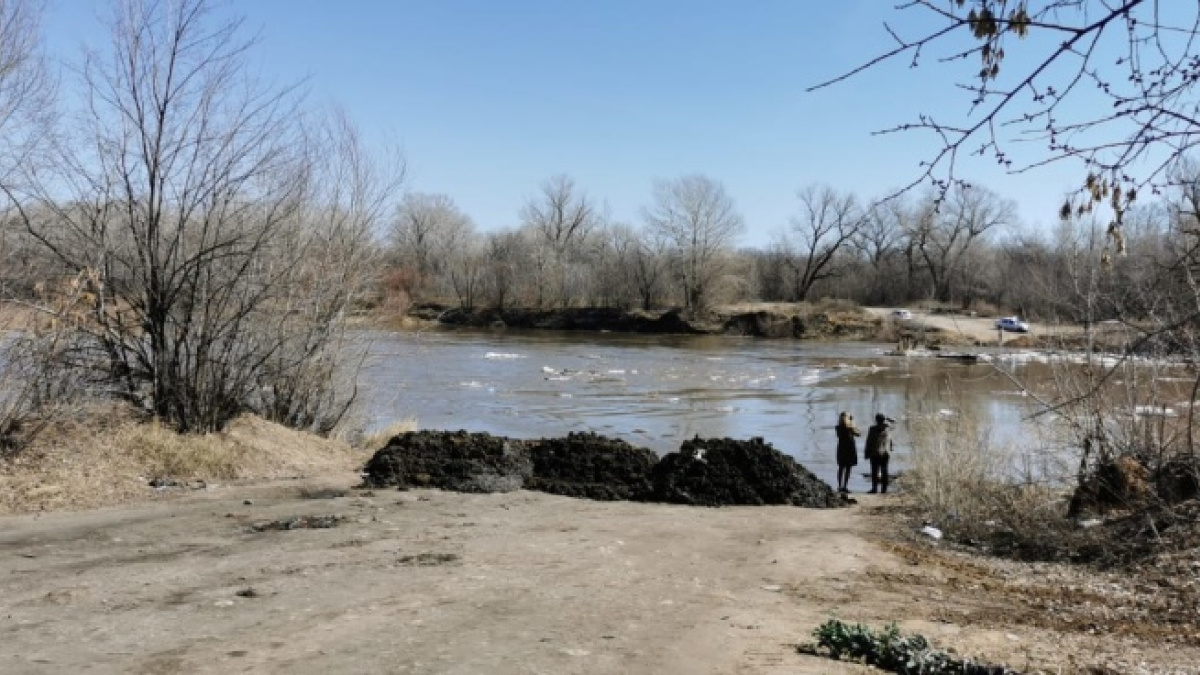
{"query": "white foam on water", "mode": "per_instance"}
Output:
(498, 356)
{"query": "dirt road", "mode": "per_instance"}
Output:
(976, 329)
(433, 582)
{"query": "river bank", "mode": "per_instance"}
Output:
(766, 320)
(824, 321)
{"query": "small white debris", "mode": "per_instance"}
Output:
(772, 588)
(931, 531)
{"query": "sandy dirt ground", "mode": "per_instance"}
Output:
(425, 581)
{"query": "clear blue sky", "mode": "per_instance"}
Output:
(488, 98)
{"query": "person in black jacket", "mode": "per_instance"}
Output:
(878, 450)
(847, 450)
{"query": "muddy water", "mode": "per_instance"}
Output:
(656, 391)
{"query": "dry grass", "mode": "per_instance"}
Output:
(108, 456)
(952, 468)
(978, 492)
(377, 439)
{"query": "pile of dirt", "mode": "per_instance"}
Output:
(705, 472)
(726, 472)
(1128, 482)
(451, 460)
(591, 466)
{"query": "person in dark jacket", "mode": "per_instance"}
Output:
(847, 451)
(878, 450)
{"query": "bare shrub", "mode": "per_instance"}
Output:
(36, 389)
(221, 260)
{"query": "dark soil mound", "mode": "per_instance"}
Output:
(591, 467)
(765, 324)
(573, 318)
(451, 460)
(725, 472)
(705, 472)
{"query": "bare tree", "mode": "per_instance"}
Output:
(944, 235)
(27, 107)
(878, 240)
(217, 251)
(27, 111)
(1110, 84)
(634, 266)
(647, 267)
(700, 223)
(506, 255)
(466, 269)
(562, 217)
(827, 222)
(427, 230)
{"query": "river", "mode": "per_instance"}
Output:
(656, 391)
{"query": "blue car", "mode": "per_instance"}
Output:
(1012, 324)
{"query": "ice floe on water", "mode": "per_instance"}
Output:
(810, 376)
(1154, 411)
(1024, 356)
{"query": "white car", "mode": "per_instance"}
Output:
(1012, 324)
(901, 315)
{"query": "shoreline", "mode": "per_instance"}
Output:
(821, 322)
